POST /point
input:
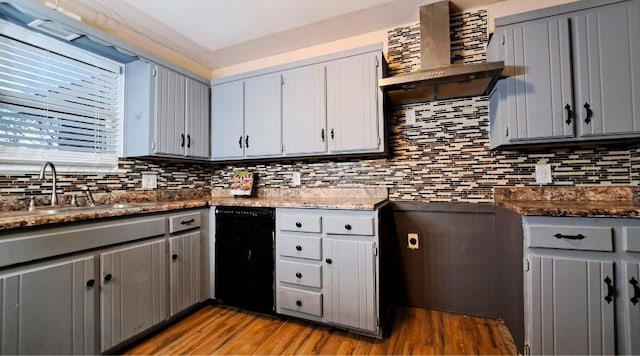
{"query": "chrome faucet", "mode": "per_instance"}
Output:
(54, 195)
(90, 200)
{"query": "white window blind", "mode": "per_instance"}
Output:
(57, 102)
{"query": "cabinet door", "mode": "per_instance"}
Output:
(227, 120)
(567, 305)
(133, 295)
(263, 116)
(49, 309)
(607, 59)
(538, 84)
(184, 273)
(169, 112)
(197, 119)
(353, 116)
(630, 298)
(350, 283)
(304, 118)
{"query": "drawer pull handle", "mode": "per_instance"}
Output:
(299, 303)
(636, 291)
(107, 277)
(328, 261)
(347, 226)
(174, 256)
(610, 289)
(298, 247)
(570, 237)
(298, 224)
(298, 274)
(90, 283)
(569, 114)
(187, 222)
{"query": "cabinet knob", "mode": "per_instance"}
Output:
(174, 256)
(636, 291)
(299, 303)
(328, 261)
(107, 277)
(347, 226)
(298, 224)
(90, 283)
(298, 274)
(298, 247)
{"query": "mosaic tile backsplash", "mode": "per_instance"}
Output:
(445, 156)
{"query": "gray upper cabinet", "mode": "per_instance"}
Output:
(304, 118)
(133, 294)
(263, 116)
(166, 114)
(354, 104)
(227, 120)
(319, 107)
(569, 77)
(49, 309)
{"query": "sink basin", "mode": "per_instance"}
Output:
(52, 210)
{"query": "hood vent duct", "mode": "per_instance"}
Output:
(438, 79)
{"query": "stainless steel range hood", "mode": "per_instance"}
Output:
(438, 79)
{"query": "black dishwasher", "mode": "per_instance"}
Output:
(244, 257)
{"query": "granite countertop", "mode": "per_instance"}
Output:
(610, 201)
(14, 215)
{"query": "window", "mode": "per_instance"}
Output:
(57, 103)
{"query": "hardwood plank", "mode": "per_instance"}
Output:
(224, 330)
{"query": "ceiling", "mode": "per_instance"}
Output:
(220, 33)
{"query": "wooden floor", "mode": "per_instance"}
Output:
(223, 330)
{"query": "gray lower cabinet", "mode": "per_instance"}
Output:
(49, 308)
(570, 73)
(579, 281)
(133, 297)
(327, 267)
(184, 271)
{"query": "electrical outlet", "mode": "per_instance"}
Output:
(149, 181)
(410, 116)
(543, 174)
(413, 242)
(295, 179)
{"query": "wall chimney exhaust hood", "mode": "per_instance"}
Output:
(438, 79)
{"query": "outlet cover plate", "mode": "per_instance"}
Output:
(413, 242)
(410, 116)
(543, 174)
(295, 179)
(149, 181)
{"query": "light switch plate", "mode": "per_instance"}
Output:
(295, 179)
(410, 116)
(149, 181)
(543, 174)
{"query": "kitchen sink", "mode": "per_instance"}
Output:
(53, 210)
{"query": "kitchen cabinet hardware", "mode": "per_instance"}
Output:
(636, 291)
(328, 261)
(240, 142)
(91, 282)
(107, 277)
(587, 119)
(570, 237)
(187, 222)
(298, 247)
(610, 289)
(332, 133)
(298, 274)
(298, 224)
(181, 140)
(188, 141)
(174, 256)
(569, 114)
(322, 135)
(299, 303)
(348, 226)
(246, 142)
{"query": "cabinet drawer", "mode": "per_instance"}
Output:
(304, 274)
(631, 239)
(301, 247)
(300, 223)
(348, 225)
(590, 238)
(183, 222)
(300, 301)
